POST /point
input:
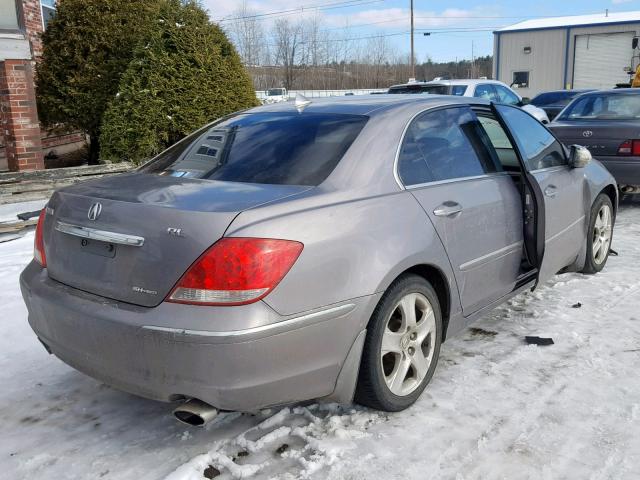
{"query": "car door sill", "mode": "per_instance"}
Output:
(472, 317)
(525, 278)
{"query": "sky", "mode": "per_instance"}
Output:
(468, 23)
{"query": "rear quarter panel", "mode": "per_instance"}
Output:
(352, 247)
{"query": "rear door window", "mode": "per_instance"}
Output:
(444, 145)
(268, 148)
(539, 147)
(500, 142)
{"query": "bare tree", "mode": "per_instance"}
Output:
(303, 54)
(287, 49)
(248, 35)
(379, 50)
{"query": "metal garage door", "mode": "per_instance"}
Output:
(600, 60)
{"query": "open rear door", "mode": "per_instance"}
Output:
(533, 212)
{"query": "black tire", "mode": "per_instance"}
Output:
(372, 390)
(591, 265)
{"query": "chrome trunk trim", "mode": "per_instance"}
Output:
(101, 235)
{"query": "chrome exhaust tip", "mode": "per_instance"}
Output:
(195, 412)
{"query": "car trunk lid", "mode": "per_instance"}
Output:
(602, 138)
(176, 218)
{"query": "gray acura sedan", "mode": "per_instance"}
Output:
(311, 250)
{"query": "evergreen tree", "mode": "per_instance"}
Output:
(86, 48)
(185, 75)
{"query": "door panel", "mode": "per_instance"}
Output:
(445, 162)
(559, 188)
(565, 218)
(484, 240)
(532, 209)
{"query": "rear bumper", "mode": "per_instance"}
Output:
(626, 170)
(163, 353)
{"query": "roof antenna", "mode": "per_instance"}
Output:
(301, 102)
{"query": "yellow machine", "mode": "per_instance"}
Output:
(635, 82)
(635, 79)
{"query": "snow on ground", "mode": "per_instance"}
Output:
(496, 408)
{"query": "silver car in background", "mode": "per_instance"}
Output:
(311, 250)
(492, 90)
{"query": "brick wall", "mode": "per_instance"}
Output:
(53, 140)
(62, 144)
(19, 116)
(31, 14)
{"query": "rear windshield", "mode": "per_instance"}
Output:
(603, 107)
(269, 148)
(553, 98)
(433, 89)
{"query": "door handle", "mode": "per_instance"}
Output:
(550, 191)
(448, 209)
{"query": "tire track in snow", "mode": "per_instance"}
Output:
(316, 438)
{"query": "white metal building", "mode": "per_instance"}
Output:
(583, 51)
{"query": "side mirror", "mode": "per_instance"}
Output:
(634, 43)
(579, 157)
(525, 101)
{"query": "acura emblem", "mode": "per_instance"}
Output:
(94, 211)
(587, 133)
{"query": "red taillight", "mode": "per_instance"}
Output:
(629, 147)
(38, 243)
(236, 271)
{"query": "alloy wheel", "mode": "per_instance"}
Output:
(408, 344)
(601, 240)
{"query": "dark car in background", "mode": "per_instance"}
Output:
(553, 102)
(607, 122)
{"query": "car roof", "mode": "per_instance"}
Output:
(467, 82)
(572, 90)
(615, 91)
(369, 105)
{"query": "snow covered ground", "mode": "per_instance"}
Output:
(496, 408)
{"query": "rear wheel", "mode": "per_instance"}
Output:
(402, 346)
(599, 234)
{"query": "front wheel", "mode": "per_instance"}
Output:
(599, 234)
(402, 346)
